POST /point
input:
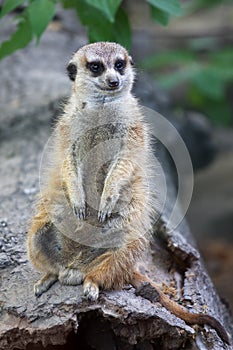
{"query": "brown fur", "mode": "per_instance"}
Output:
(179, 310)
(95, 213)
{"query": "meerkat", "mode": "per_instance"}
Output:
(96, 209)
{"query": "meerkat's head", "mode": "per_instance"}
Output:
(101, 70)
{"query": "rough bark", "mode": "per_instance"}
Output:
(121, 318)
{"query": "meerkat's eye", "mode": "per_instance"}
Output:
(120, 65)
(96, 67)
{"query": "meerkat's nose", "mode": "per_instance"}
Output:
(113, 82)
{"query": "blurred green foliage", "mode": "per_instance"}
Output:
(31, 22)
(106, 20)
(206, 73)
(205, 76)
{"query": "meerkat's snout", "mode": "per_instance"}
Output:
(113, 82)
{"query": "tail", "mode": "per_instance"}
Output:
(178, 310)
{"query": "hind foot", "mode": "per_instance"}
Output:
(44, 284)
(91, 289)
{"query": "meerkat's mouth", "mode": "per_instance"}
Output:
(109, 89)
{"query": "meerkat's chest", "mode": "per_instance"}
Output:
(99, 145)
(94, 151)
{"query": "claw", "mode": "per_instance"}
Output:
(106, 207)
(103, 215)
(91, 291)
(79, 212)
(38, 290)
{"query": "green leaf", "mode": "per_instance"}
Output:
(107, 7)
(97, 23)
(69, 3)
(40, 13)
(121, 29)
(159, 15)
(170, 6)
(19, 39)
(100, 28)
(100, 33)
(10, 5)
(87, 14)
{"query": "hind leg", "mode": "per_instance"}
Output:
(113, 269)
(70, 277)
(66, 276)
(45, 249)
(50, 251)
(45, 253)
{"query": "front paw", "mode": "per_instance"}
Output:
(79, 211)
(106, 207)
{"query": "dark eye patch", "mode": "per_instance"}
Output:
(96, 67)
(72, 71)
(120, 65)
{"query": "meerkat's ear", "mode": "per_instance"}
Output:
(72, 71)
(131, 61)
